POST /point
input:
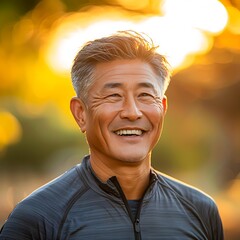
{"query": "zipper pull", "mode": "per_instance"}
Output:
(137, 225)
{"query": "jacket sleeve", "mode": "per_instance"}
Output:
(24, 223)
(216, 224)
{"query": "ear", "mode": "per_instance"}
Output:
(78, 110)
(165, 104)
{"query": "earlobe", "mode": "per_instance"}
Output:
(79, 112)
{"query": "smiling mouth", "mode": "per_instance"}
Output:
(127, 132)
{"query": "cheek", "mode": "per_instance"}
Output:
(155, 115)
(154, 111)
(102, 116)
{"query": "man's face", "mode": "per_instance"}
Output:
(124, 111)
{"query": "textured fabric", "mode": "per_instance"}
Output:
(77, 206)
(133, 204)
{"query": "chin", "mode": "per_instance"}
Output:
(133, 158)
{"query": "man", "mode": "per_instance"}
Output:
(114, 193)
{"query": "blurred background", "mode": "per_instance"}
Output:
(200, 143)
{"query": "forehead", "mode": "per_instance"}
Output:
(124, 71)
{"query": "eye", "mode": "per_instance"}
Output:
(144, 94)
(114, 95)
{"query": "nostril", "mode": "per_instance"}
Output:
(131, 110)
(131, 113)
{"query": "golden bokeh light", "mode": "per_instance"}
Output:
(73, 30)
(175, 40)
(200, 39)
(132, 5)
(207, 15)
(24, 30)
(234, 20)
(67, 42)
(10, 129)
(186, 29)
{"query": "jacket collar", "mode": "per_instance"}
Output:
(109, 186)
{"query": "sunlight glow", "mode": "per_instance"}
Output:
(186, 29)
(234, 20)
(207, 15)
(67, 42)
(175, 41)
(64, 50)
(76, 29)
(132, 5)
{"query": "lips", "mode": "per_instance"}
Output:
(129, 132)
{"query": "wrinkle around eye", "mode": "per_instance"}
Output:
(97, 101)
(150, 98)
(115, 97)
(145, 95)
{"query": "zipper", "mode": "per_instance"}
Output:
(137, 229)
(136, 221)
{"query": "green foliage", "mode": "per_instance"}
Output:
(43, 138)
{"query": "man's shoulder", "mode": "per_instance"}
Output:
(63, 188)
(44, 209)
(199, 205)
(185, 192)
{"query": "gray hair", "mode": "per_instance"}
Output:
(120, 46)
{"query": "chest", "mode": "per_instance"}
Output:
(159, 218)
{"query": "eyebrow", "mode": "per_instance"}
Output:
(112, 85)
(146, 85)
(117, 85)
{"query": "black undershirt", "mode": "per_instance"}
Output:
(133, 204)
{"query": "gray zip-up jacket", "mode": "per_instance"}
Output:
(78, 206)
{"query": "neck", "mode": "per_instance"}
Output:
(132, 177)
(134, 185)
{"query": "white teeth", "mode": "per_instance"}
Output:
(129, 132)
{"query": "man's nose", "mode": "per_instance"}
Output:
(130, 109)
